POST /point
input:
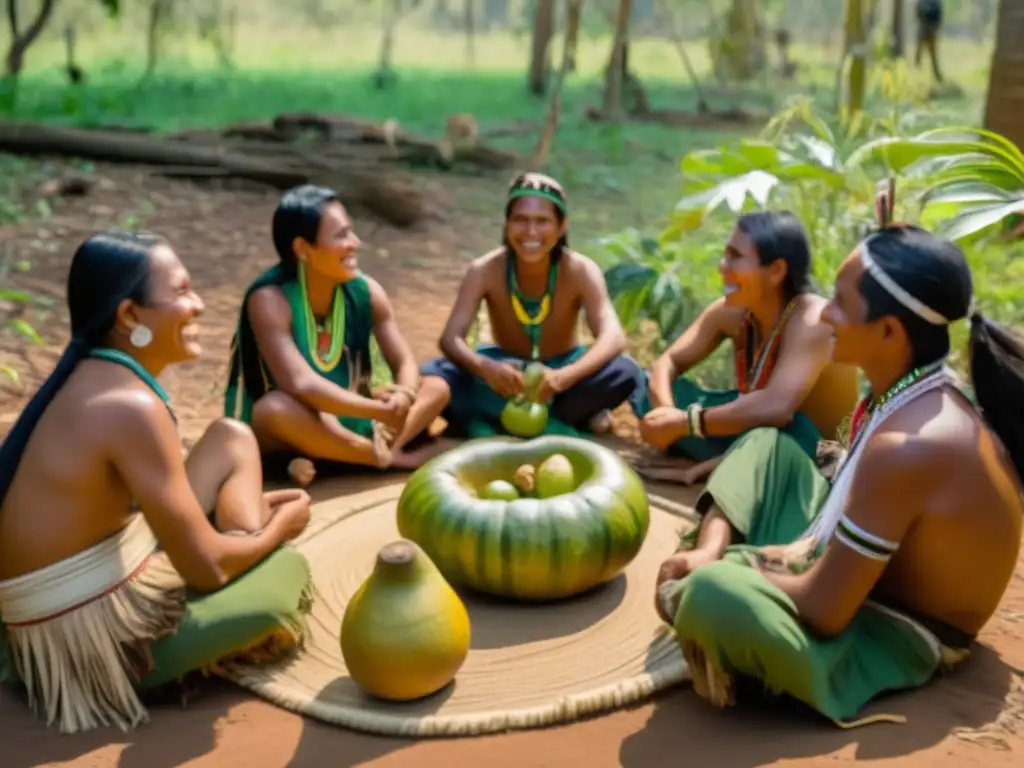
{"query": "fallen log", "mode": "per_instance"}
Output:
(409, 147)
(379, 191)
(678, 118)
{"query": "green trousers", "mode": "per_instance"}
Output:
(770, 490)
(270, 596)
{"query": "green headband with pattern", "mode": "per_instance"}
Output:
(538, 185)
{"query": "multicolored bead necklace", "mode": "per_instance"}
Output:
(531, 323)
(867, 407)
(750, 376)
(325, 341)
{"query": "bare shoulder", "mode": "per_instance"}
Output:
(378, 296)
(578, 265)
(491, 260)
(805, 323)
(380, 302)
(935, 432)
(487, 271)
(809, 307)
(129, 413)
(269, 306)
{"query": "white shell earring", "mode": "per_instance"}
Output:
(140, 336)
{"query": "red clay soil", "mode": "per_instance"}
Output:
(972, 717)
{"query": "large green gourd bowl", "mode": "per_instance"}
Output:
(529, 548)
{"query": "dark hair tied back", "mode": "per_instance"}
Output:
(107, 268)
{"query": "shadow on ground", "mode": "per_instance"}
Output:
(760, 734)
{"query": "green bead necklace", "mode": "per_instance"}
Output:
(334, 328)
(901, 384)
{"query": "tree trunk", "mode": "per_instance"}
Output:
(546, 140)
(615, 75)
(157, 10)
(20, 41)
(855, 56)
(897, 39)
(540, 52)
(677, 41)
(469, 17)
(1005, 103)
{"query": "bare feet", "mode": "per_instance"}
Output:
(601, 423)
(382, 438)
(682, 564)
(414, 459)
(301, 471)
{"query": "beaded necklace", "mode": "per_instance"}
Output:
(326, 340)
(916, 383)
(868, 405)
(531, 323)
(750, 376)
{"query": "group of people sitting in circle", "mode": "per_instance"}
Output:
(824, 568)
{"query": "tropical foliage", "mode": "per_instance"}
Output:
(963, 182)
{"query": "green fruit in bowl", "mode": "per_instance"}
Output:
(585, 533)
(554, 477)
(499, 490)
(524, 418)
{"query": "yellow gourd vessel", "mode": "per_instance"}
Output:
(405, 633)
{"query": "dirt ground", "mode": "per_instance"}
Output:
(973, 717)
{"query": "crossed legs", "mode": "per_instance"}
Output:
(226, 475)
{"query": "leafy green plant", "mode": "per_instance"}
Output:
(967, 179)
(800, 162)
(973, 178)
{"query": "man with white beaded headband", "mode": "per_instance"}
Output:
(913, 542)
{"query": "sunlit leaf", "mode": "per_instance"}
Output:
(978, 218)
(27, 331)
(10, 295)
(968, 191)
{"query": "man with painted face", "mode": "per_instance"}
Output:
(914, 543)
(534, 287)
(300, 363)
(781, 352)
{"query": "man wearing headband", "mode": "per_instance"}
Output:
(781, 355)
(534, 287)
(913, 543)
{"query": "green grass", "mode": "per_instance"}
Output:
(618, 176)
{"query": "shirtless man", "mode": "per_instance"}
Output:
(915, 543)
(301, 366)
(534, 287)
(782, 356)
(81, 578)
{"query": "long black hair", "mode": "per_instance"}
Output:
(107, 268)
(781, 235)
(298, 214)
(936, 273)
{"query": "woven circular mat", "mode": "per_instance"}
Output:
(528, 665)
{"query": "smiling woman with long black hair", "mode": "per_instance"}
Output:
(108, 536)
